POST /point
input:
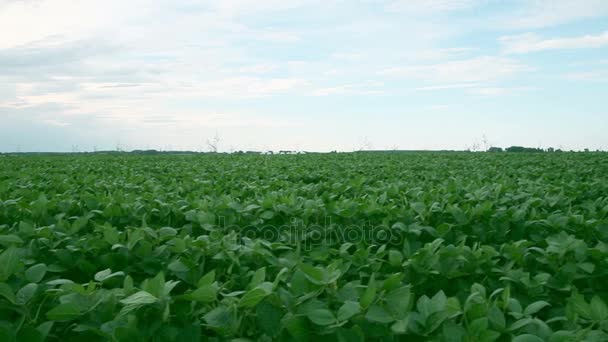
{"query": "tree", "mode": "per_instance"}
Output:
(213, 143)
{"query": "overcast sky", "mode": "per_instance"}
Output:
(302, 75)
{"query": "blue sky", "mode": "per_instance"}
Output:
(302, 75)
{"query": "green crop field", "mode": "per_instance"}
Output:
(320, 247)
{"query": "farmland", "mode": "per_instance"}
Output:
(325, 247)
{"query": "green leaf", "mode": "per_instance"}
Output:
(378, 314)
(64, 312)
(35, 273)
(370, 293)
(497, 317)
(348, 310)
(219, 317)
(45, 328)
(395, 258)
(204, 294)
(29, 334)
(207, 279)
(321, 317)
(155, 286)
(7, 292)
(399, 301)
(527, 338)
(267, 317)
(26, 293)
(535, 307)
(106, 274)
(258, 277)
(400, 326)
(314, 274)
(139, 298)
(599, 311)
(178, 266)
(26, 228)
(256, 295)
(418, 207)
(9, 263)
(10, 239)
(59, 282)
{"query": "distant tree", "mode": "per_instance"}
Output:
(213, 143)
(586, 150)
(495, 149)
(550, 149)
(523, 149)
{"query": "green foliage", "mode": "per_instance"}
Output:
(347, 247)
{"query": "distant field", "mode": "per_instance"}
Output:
(415, 246)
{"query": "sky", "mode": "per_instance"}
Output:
(315, 75)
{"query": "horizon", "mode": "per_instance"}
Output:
(296, 75)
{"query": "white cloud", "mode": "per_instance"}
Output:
(448, 86)
(365, 88)
(477, 69)
(545, 13)
(498, 91)
(596, 75)
(531, 42)
(416, 6)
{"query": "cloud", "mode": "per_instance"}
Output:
(498, 91)
(545, 13)
(448, 86)
(531, 42)
(476, 69)
(414, 6)
(365, 88)
(595, 76)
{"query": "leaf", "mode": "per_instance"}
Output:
(9, 263)
(10, 239)
(64, 312)
(348, 310)
(45, 328)
(314, 274)
(378, 314)
(26, 228)
(370, 293)
(59, 282)
(527, 338)
(30, 334)
(256, 295)
(207, 279)
(399, 301)
(599, 311)
(321, 317)
(35, 273)
(520, 324)
(106, 274)
(155, 286)
(166, 232)
(400, 326)
(178, 266)
(219, 317)
(26, 293)
(535, 307)
(7, 292)
(204, 294)
(267, 317)
(395, 258)
(258, 277)
(497, 317)
(139, 298)
(418, 207)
